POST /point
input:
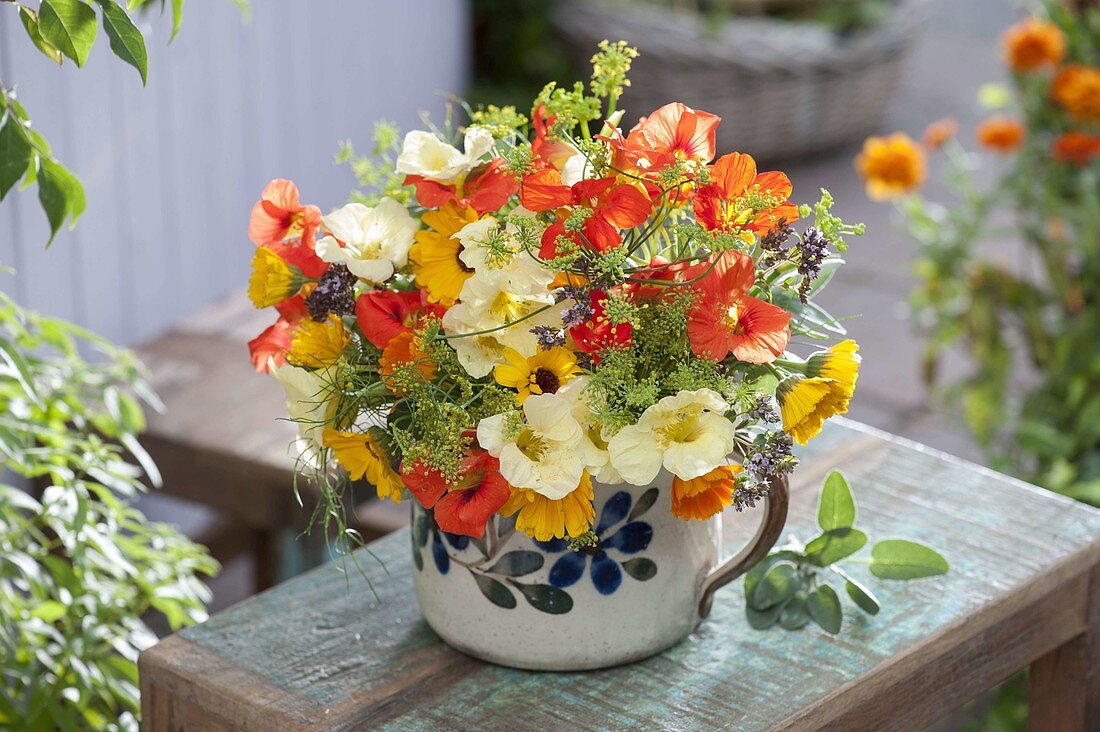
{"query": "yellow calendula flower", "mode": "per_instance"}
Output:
(317, 345)
(543, 373)
(544, 519)
(434, 254)
(364, 455)
(805, 402)
(840, 364)
(272, 280)
(702, 497)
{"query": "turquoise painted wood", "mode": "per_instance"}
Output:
(321, 651)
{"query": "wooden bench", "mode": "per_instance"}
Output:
(224, 441)
(320, 652)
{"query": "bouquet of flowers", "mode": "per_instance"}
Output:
(524, 306)
(1029, 330)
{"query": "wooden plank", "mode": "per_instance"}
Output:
(323, 648)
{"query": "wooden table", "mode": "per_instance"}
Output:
(320, 652)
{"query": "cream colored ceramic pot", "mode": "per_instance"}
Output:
(539, 605)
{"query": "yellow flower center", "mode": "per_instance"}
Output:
(684, 427)
(733, 320)
(531, 444)
(507, 307)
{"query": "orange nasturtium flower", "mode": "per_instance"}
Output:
(404, 350)
(1077, 89)
(1033, 43)
(939, 132)
(1077, 147)
(1000, 133)
(702, 497)
(891, 166)
(279, 216)
(737, 197)
(673, 132)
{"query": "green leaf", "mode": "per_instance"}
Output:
(30, 24)
(902, 559)
(15, 155)
(545, 598)
(50, 611)
(177, 18)
(754, 575)
(779, 585)
(126, 40)
(19, 369)
(794, 614)
(517, 563)
(837, 509)
(70, 26)
(645, 502)
(60, 194)
(640, 568)
(834, 545)
(824, 607)
(862, 596)
(495, 591)
(762, 619)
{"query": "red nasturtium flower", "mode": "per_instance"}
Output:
(598, 333)
(726, 320)
(611, 205)
(737, 197)
(279, 216)
(271, 345)
(1077, 147)
(464, 508)
(485, 189)
(547, 152)
(384, 314)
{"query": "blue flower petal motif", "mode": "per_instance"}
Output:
(606, 575)
(458, 541)
(614, 511)
(439, 553)
(568, 569)
(630, 539)
(553, 546)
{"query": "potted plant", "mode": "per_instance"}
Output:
(570, 345)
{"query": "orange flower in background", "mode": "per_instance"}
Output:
(726, 320)
(1077, 147)
(485, 189)
(891, 166)
(1033, 43)
(939, 132)
(702, 497)
(403, 350)
(270, 347)
(613, 206)
(279, 216)
(739, 198)
(1077, 89)
(1000, 133)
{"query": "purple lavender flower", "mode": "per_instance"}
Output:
(548, 337)
(333, 294)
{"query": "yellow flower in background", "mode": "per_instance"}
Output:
(543, 518)
(702, 497)
(1077, 89)
(272, 280)
(364, 455)
(434, 255)
(839, 363)
(1032, 43)
(891, 166)
(543, 373)
(805, 402)
(317, 345)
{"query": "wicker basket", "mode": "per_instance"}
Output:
(782, 88)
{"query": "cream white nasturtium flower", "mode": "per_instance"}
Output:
(310, 403)
(375, 240)
(601, 469)
(545, 451)
(424, 154)
(685, 432)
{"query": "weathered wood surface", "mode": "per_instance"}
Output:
(320, 652)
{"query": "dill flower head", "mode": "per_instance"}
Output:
(272, 280)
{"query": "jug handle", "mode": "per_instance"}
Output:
(775, 517)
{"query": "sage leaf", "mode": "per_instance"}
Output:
(69, 26)
(762, 619)
(779, 585)
(754, 575)
(823, 606)
(495, 591)
(862, 597)
(794, 614)
(834, 545)
(903, 559)
(837, 509)
(126, 40)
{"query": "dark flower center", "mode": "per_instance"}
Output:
(547, 381)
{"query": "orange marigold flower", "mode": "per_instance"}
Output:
(702, 497)
(1000, 133)
(939, 132)
(891, 166)
(1077, 89)
(1077, 147)
(404, 350)
(1033, 43)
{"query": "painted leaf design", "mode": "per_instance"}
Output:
(645, 502)
(517, 563)
(553, 546)
(545, 598)
(606, 575)
(495, 591)
(458, 541)
(640, 568)
(420, 528)
(568, 569)
(418, 558)
(614, 511)
(439, 554)
(630, 539)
